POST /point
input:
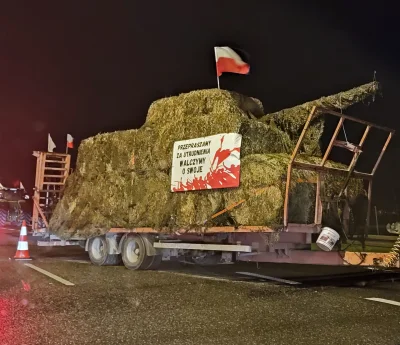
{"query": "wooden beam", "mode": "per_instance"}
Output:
(361, 144)
(290, 167)
(41, 213)
(55, 154)
(134, 230)
(354, 160)
(348, 146)
(351, 118)
(50, 191)
(58, 169)
(318, 202)
(382, 152)
(335, 171)
(292, 227)
(369, 205)
(303, 133)
(333, 139)
(55, 161)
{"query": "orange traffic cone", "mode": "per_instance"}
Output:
(22, 249)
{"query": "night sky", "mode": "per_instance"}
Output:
(86, 67)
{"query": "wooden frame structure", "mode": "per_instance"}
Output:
(321, 168)
(52, 170)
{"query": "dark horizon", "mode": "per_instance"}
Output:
(91, 67)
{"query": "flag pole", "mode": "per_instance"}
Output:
(216, 66)
(70, 140)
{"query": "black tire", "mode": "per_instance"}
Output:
(98, 253)
(113, 260)
(134, 254)
(155, 262)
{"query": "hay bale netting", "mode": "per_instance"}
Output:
(266, 208)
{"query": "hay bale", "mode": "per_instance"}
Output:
(201, 103)
(257, 172)
(261, 138)
(192, 209)
(260, 171)
(128, 199)
(118, 199)
(83, 209)
(155, 143)
(191, 115)
(152, 201)
(292, 120)
(208, 112)
(122, 179)
(106, 152)
(203, 113)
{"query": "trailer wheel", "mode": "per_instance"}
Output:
(98, 253)
(155, 262)
(134, 254)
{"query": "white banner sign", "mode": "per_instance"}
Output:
(206, 163)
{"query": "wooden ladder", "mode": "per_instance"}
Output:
(52, 170)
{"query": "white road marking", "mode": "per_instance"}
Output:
(51, 275)
(67, 260)
(225, 280)
(291, 282)
(197, 276)
(76, 261)
(61, 259)
(388, 301)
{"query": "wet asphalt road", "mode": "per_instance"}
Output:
(182, 305)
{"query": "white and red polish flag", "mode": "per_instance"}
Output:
(70, 141)
(228, 61)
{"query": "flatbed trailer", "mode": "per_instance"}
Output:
(145, 248)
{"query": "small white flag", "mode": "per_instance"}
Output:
(50, 144)
(70, 141)
(21, 186)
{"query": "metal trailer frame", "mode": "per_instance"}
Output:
(253, 243)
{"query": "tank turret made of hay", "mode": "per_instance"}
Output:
(123, 179)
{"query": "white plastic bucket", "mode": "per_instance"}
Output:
(327, 239)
